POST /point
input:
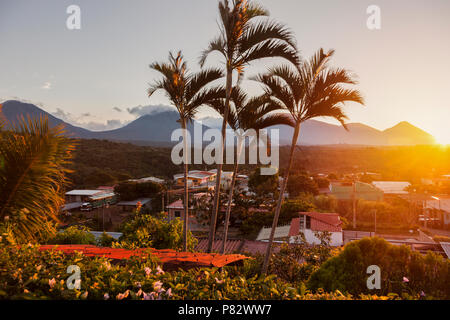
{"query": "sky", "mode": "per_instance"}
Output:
(97, 76)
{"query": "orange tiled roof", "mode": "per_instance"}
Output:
(169, 258)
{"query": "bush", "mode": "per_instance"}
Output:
(73, 235)
(105, 240)
(403, 271)
(145, 230)
(301, 183)
(26, 273)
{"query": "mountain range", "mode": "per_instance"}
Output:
(156, 129)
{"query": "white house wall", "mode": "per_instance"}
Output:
(336, 238)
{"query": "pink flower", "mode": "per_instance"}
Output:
(159, 270)
(106, 296)
(219, 281)
(157, 285)
(147, 271)
(51, 282)
(405, 279)
(150, 296)
(169, 292)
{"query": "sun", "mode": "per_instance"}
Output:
(443, 139)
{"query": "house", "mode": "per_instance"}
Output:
(281, 233)
(128, 206)
(81, 195)
(195, 178)
(91, 199)
(442, 206)
(392, 188)
(175, 210)
(344, 191)
(312, 223)
(148, 179)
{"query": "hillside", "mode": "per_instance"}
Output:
(156, 129)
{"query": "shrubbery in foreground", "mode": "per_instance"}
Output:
(403, 271)
(26, 273)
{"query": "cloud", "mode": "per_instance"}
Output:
(82, 121)
(47, 86)
(101, 126)
(150, 109)
(117, 109)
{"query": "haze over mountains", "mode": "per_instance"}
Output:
(156, 129)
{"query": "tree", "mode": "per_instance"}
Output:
(130, 190)
(145, 231)
(301, 184)
(311, 89)
(186, 91)
(347, 271)
(241, 41)
(263, 185)
(246, 115)
(33, 169)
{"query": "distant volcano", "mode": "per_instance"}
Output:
(156, 128)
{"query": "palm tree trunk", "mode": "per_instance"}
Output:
(212, 225)
(280, 200)
(230, 197)
(186, 190)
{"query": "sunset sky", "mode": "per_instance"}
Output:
(90, 77)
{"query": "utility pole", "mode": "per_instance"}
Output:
(375, 211)
(354, 204)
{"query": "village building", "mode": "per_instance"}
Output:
(392, 188)
(129, 206)
(311, 224)
(361, 190)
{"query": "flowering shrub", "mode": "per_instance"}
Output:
(145, 230)
(73, 235)
(403, 271)
(26, 273)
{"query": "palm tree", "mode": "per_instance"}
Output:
(311, 89)
(33, 171)
(241, 41)
(246, 114)
(187, 92)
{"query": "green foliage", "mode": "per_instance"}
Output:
(105, 240)
(27, 273)
(33, 172)
(145, 230)
(291, 208)
(301, 183)
(293, 264)
(95, 160)
(263, 185)
(73, 235)
(347, 271)
(325, 203)
(129, 190)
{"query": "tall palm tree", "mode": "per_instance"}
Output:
(241, 41)
(33, 172)
(246, 114)
(311, 89)
(187, 92)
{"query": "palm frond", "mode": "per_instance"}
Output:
(32, 176)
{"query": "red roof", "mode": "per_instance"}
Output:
(171, 259)
(320, 221)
